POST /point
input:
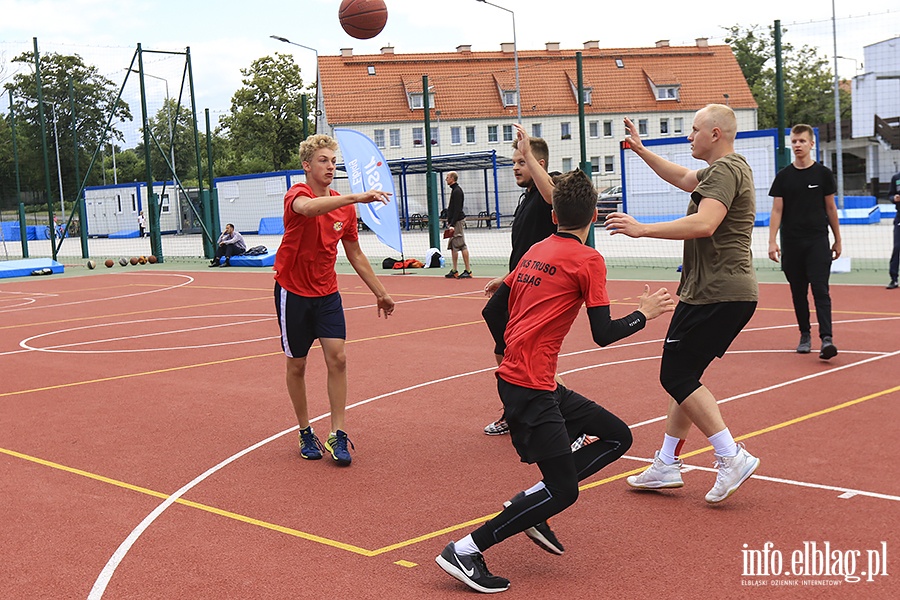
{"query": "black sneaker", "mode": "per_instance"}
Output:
(805, 345)
(540, 534)
(214, 263)
(465, 275)
(471, 570)
(829, 350)
(892, 285)
(454, 274)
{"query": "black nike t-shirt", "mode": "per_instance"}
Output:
(531, 224)
(803, 192)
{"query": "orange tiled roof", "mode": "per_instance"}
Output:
(464, 84)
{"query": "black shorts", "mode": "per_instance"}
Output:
(543, 424)
(303, 320)
(707, 329)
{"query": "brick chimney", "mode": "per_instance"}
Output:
(703, 42)
(507, 47)
(346, 52)
(592, 45)
(662, 44)
(552, 46)
(387, 50)
(464, 48)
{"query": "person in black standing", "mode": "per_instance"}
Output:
(456, 220)
(894, 195)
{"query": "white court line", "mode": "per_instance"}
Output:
(109, 569)
(845, 492)
(92, 300)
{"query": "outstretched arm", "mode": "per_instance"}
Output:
(539, 174)
(605, 331)
(678, 175)
(313, 207)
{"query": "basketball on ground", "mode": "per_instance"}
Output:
(363, 19)
(151, 259)
(142, 260)
(109, 263)
(91, 264)
(123, 261)
(133, 260)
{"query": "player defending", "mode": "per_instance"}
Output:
(307, 301)
(530, 314)
(718, 292)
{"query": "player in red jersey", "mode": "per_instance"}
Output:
(529, 316)
(307, 300)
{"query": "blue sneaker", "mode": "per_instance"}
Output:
(310, 446)
(337, 445)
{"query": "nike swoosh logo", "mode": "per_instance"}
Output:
(468, 572)
(669, 341)
(812, 186)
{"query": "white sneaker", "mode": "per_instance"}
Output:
(659, 476)
(498, 427)
(733, 471)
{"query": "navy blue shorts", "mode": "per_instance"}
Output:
(303, 320)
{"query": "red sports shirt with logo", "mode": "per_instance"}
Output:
(304, 263)
(553, 279)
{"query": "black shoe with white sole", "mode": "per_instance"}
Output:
(540, 534)
(471, 570)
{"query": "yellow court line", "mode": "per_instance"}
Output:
(370, 553)
(220, 362)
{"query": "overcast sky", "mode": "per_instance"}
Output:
(227, 35)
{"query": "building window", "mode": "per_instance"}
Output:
(667, 93)
(456, 136)
(492, 134)
(594, 129)
(620, 64)
(664, 126)
(679, 125)
(566, 165)
(509, 98)
(595, 165)
(642, 126)
(470, 134)
(416, 100)
(607, 129)
(587, 95)
(119, 204)
(536, 130)
(370, 69)
(418, 136)
(507, 133)
(379, 138)
(435, 136)
(608, 164)
(166, 205)
(395, 138)
(133, 203)
(565, 131)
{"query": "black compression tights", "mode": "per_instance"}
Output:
(561, 475)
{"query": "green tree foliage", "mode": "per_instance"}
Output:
(808, 78)
(94, 99)
(265, 125)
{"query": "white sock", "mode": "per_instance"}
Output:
(535, 488)
(723, 444)
(466, 546)
(670, 450)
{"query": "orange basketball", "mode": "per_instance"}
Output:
(363, 19)
(109, 263)
(142, 260)
(151, 259)
(133, 260)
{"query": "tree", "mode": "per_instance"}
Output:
(94, 99)
(265, 124)
(808, 78)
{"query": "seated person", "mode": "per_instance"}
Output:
(231, 243)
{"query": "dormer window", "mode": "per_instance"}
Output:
(416, 100)
(667, 92)
(586, 93)
(510, 98)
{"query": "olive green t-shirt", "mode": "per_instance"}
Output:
(720, 268)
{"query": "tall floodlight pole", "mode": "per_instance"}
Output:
(515, 57)
(168, 118)
(318, 99)
(839, 159)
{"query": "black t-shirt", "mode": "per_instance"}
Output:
(803, 192)
(532, 223)
(455, 208)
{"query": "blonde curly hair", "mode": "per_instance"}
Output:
(310, 145)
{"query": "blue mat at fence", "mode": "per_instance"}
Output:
(125, 233)
(20, 268)
(271, 226)
(260, 260)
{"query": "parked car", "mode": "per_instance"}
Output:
(613, 190)
(608, 204)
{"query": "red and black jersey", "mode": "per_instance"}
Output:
(547, 288)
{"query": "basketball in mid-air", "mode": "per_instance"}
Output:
(363, 19)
